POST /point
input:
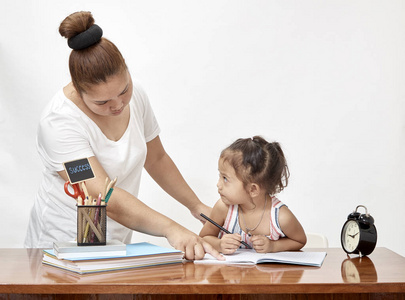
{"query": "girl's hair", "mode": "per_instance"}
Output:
(257, 161)
(94, 64)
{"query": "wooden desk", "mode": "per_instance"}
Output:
(381, 276)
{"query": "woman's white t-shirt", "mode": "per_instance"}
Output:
(65, 133)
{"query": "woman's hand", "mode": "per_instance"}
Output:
(201, 208)
(193, 246)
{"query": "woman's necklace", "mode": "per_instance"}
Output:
(249, 230)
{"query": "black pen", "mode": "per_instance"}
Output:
(222, 228)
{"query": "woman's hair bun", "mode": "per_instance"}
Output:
(98, 60)
(75, 24)
(80, 30)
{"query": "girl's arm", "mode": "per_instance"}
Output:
(229, 242)
(163, 170)
(129, 211)
(294, 239)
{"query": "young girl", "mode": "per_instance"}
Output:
(251, 172)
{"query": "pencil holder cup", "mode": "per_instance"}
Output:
(91, 225)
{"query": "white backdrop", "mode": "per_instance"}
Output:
(324, 78)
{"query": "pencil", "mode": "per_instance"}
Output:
(222, 228)
(84, 189)
(105, 188)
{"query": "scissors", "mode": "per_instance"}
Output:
(76, 188)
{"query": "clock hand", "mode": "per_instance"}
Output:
(352, 236)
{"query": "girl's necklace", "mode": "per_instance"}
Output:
(249, 230)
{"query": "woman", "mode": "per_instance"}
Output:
(105, 116)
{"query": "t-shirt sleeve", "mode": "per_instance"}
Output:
(151, 125)
(60, 139)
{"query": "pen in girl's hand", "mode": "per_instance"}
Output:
(222, 228)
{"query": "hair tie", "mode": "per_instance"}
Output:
(86, 38)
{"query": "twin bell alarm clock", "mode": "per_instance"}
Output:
(359, 235)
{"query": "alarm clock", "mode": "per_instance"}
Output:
(359, 235)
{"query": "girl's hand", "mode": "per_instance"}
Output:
(229, 243)
(262, 244)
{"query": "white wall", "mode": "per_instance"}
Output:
(324, 78)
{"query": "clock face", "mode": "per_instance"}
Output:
(350, 236)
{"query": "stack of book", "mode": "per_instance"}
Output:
(111, 257)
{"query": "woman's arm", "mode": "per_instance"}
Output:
(163, 170)
(129, 211)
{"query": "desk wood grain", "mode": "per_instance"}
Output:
(379, 276)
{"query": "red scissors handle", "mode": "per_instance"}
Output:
(76, 189)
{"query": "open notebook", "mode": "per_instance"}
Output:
(251, 257)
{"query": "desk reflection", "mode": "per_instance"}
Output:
(268, 273)
(176, 273)
(358, 269)
(167, 274)
(179, 273)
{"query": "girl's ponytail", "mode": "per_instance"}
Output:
(277, 169)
